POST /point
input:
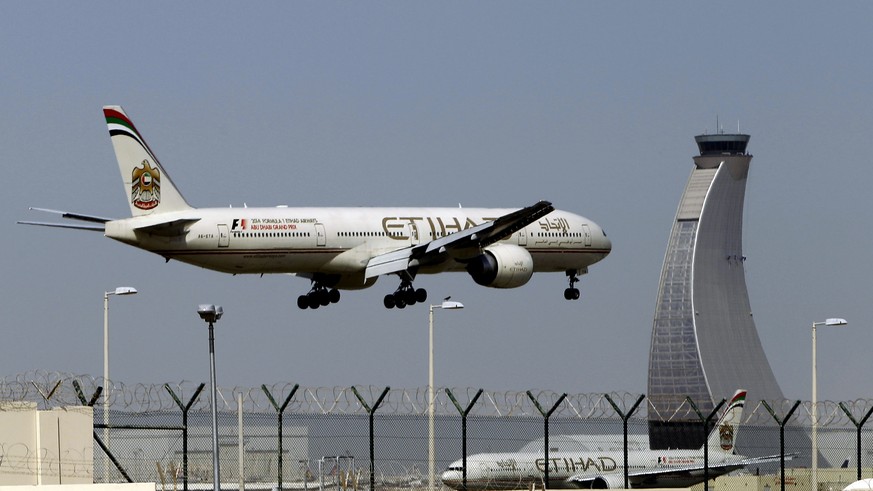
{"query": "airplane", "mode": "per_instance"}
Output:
(596, 468)
(340, 248)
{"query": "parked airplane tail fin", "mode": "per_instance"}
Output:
(148, 186)
(724, 436)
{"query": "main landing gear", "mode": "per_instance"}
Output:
(572, 293)
(405, 295)
(318, 296)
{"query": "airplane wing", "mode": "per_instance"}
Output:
(463, 244)
(72, 216)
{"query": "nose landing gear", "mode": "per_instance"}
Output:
(572, 293)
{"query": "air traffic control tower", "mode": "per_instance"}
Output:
(704, 341)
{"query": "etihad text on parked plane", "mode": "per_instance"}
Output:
(341, 248)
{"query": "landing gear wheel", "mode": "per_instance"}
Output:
(421, 295)
(409, 296)
(318, 296)
(405, 295)
(389, 301)
(323, 298)
(314, 303)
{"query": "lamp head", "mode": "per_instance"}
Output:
(450, 305)
(210, 313)
(835, 321)
(123, 290)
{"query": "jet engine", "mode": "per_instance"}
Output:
(501, 266)
(609, 481)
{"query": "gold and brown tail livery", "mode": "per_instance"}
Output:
(726, 434)
(145, 191)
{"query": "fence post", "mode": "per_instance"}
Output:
(546, 431)
(781, 424)
(280, 410)
(705, 422)
(100, 443)
(858, 428)
(624, 418)
(81, 394)
(371, 412)
(185, 408)
(464, 413)
(50, 394)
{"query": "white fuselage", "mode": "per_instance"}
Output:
(519, 470)
(342, 240)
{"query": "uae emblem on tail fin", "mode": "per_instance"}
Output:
(726, 434)
(146, 186)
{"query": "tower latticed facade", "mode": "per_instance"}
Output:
(704, 341)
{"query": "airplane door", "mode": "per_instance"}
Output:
(522, 237)
(586, 231)
(320, 236)
(223, 236)
(412, 231)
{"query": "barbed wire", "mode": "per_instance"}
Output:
(56, 389)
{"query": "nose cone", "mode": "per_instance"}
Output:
(452, 477)
(600, 241)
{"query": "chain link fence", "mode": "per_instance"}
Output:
(378, 437)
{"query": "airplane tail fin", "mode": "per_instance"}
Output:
(724, 436)
(148, 186)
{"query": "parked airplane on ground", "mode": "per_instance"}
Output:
(604, 469)
(341, 248)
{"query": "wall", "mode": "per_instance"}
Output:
(46, 447)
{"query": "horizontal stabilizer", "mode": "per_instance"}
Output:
(74, 216)
(71, 216)
(93, 228)
(769, 458)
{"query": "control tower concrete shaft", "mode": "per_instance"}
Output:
(704, 341)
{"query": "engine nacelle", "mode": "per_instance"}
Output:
(502, 266)
(609, 481)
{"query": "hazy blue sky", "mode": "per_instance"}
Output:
(591, 105)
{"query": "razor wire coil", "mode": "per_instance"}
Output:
(56, 389)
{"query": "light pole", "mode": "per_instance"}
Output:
(446, 305)
(121, 290)
(211, 313)
(829, 322)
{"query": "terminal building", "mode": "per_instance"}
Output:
(704, 341)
